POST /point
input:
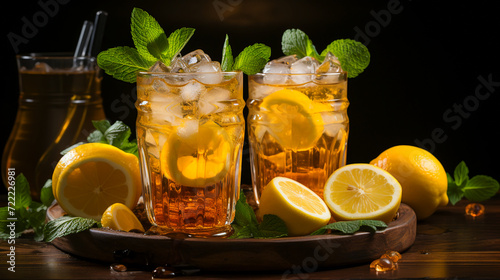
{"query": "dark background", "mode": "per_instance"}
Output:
(426, 60)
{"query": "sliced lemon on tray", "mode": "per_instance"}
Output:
(91, 177)
(292, 119)
(362, 191)
(300, 208)
(119, 217)
(197, 156)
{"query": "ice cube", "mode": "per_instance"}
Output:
(334, 122)
(331, 64)
(166, 107)
(159, 67)
(277, 70)
(178, 65)
(192, 90)
(213, 101)
(196, 56)
(188, 128)
(305, 65)
(289, 59)
(210, 72)
(41, 67)
(160, 86)
(328, 72)
(262, 91)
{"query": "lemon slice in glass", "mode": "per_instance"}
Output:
(197, 155)
(292, 119)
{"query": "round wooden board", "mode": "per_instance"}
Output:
(220, 254)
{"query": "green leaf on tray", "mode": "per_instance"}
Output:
(67, 225)
(351, 227)
(245, 223)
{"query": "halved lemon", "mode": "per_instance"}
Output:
(292, 119)
(119, 217)
(93, 176)
(362, 192)
(300, 208)
(197, 156)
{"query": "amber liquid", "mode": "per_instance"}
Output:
(173, 205)
(311, 166)
(55, 111)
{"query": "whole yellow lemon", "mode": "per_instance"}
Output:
(421, 175)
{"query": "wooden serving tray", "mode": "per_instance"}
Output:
(221, 254)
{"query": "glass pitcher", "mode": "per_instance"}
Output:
(60, 95)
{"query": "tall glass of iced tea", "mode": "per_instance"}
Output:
(190, 131)
(297, 122)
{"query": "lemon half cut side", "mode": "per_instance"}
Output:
(362, 191)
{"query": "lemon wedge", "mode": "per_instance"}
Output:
(300, 208)
(362, 192)
(120, 217)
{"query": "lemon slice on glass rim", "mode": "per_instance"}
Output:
(197, 156)
(292, 119)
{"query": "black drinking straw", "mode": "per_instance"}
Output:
(97, 34)
(83, 41)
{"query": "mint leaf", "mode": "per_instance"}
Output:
(117, 133)
(36, 218)
(454, 192)
(101, 125)
(252, 59)
(244, 214)
(271, 227)
(123, 63)
(23, 196)
(354, 57)
(176, 42)
(245, 223)
(227, 56)
(311, 51)
(46, 194)
(461, 174)
(351, 227)
(480, 188)
(295, 41)
(148, 36)
(66, 225)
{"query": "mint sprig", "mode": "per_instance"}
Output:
(351, 227)
(245, 223)
(116, 134)
(151, 45)
(250, 61)
(475, 189)
(354, 56)
(28, 214)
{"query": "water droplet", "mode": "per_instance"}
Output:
(118, 267)
(474, 209)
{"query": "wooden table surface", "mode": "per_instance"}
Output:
(448, 245)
